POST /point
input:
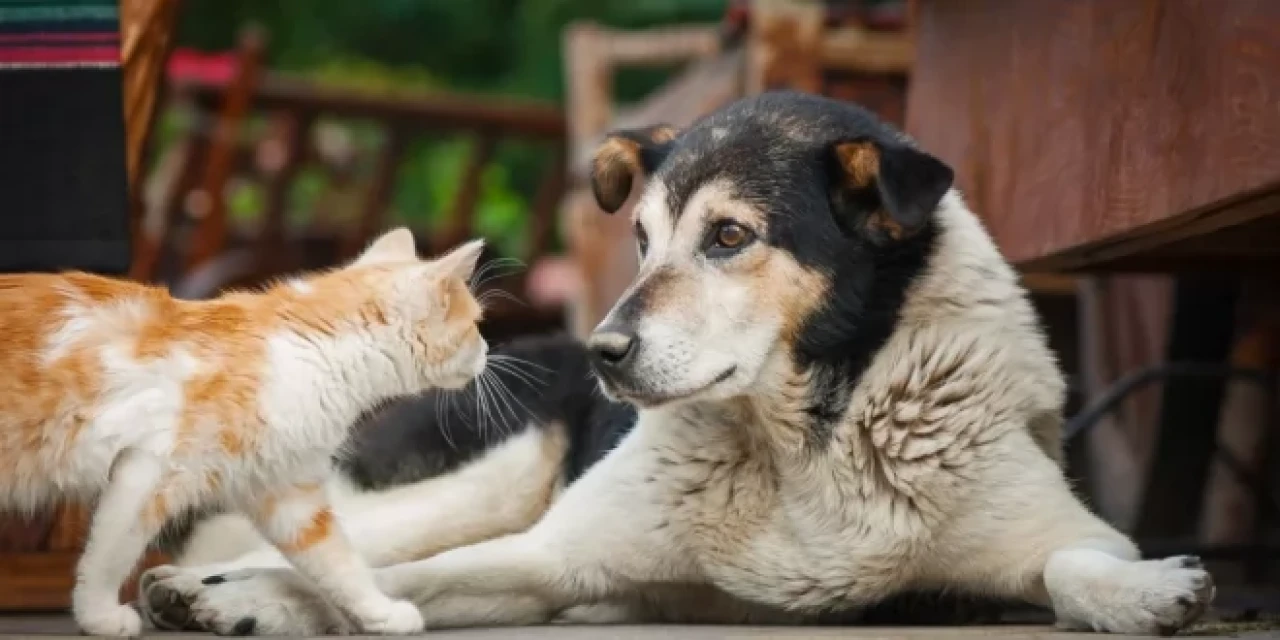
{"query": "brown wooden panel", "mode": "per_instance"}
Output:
(43, 581)
(1071, 122)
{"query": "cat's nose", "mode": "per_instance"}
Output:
(612, 346)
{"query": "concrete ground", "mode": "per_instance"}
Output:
(62, 626)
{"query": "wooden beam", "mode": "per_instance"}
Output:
(407, 109)
(861, 50)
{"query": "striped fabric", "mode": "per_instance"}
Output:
(51, 34)
(62, 153)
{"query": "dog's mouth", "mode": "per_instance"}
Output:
(647, 399)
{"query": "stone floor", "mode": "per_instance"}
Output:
(62, 626)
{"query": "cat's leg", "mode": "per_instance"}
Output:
(301, 524)
(1028, 537)
(601, 542)
(124, 522)
(503, 492)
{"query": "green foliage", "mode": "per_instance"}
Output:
(501, 48)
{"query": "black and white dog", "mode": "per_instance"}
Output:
(841, 393)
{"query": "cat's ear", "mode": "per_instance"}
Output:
(393, 246)
(459, 263)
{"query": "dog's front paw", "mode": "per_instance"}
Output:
(1148, 597)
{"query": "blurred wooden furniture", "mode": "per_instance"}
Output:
(38, 553)
(1098, 135)
(1108, 138)
(207, 158)
(146, 28)
(845, 49)
(200, 250)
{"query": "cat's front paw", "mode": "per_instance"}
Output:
(117, 620)
(391, 617)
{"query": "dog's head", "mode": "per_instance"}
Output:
(772, 233)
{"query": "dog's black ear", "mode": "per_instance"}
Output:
(885, 192)
(624, 156)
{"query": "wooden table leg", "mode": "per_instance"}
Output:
(1202, 329)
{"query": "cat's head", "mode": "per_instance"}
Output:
(427, 308)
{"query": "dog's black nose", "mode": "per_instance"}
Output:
(611, 346)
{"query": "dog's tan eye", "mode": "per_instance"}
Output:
(732, 235)
(726, 239)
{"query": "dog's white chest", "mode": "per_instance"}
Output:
(776, 540)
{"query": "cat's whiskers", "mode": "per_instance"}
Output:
(442, 417)
(499, 294)
(513, 397)
(483, 412)
(483, 274)
(513, 369)
(505, 396)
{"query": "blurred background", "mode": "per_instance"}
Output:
(1125, 155)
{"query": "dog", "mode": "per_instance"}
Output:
(841, 393)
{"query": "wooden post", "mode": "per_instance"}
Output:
(211, 230)
(460, 224)
(292, 140)
(1230, 512)
(146, 28)
(373, 215)
(542, 223)
(785, 46)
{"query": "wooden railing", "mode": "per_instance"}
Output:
(190, 240)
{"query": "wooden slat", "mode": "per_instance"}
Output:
(292, 148)
(411, 109)
(211, 230)
(373, 214)
(542, 213)
(857, 49)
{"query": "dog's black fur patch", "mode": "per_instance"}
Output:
(434, 433)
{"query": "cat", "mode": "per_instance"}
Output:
(116, 391)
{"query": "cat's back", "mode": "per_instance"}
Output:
(44, 318)
(53, 328)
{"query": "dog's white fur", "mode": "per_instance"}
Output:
(944, 473)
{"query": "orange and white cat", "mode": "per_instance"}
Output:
(117, 391)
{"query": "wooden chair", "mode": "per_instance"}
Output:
(38, 554)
